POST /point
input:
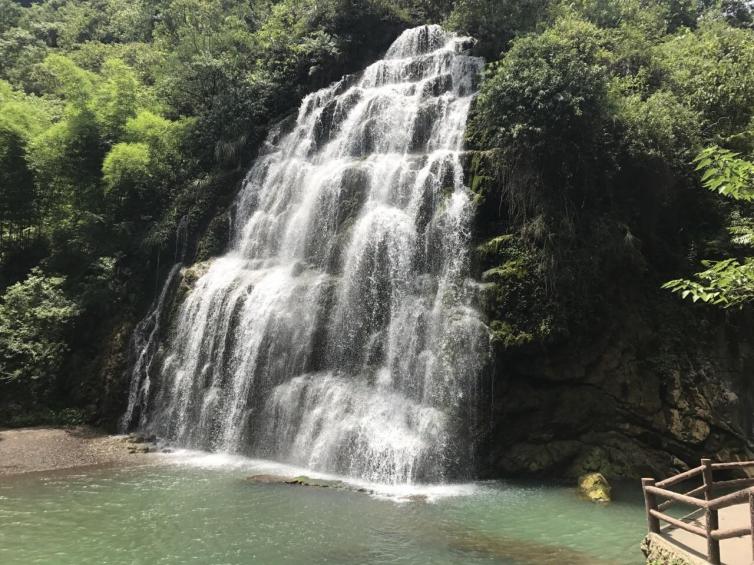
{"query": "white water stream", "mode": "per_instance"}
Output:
(339, 332)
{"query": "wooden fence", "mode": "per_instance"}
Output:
(711, 506)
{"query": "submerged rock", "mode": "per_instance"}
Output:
(595, 487)
(305, 481)
(301, 480)
(268, 479)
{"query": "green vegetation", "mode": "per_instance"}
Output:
(727, 282)
(586, 133)
(120, 121)
(34, 319)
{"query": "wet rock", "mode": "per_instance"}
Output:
(194, 272)
(268, 479)
(141, 448)
(140, 443)
(310, 482)
(297, 481)
(595, 487)
(305, 481)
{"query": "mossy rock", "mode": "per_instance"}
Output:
(595, 487)
(513, 269)
(507, 335)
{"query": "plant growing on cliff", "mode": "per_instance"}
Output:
(728, 282)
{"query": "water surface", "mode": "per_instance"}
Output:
(201, 509)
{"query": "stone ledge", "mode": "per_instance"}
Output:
(659, 551)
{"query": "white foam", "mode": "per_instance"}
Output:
(400, 493)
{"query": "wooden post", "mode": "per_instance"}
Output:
(707, 477)
(751, 518)
(651, 504)
(710, 515)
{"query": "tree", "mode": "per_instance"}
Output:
(21, 118)
(711, 70)
(548, 91)
(494, 23)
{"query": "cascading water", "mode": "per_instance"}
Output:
(339, 331)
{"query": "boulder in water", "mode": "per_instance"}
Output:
(268, 479)
(595, 487)
(310, 482)
(297, 481)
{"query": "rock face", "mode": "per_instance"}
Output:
(638, 401)
(597, 369)
(595, 487)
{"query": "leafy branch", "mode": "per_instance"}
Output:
(726, 173)
(729, 282)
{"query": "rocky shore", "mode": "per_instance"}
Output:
(29, 450)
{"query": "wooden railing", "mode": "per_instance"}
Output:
(711, 506)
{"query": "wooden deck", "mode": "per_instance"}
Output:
(718, 530)
(733, 551)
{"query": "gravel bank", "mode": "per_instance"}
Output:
(28, 450)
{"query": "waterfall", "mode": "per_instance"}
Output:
(339, 331)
